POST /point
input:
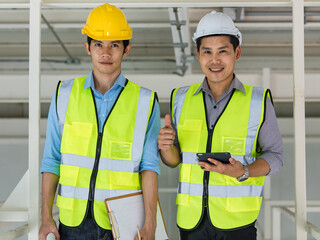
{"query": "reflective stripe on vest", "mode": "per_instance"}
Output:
(105, 163)
(178, 103)
(82, 193)
(254, 118)
(62, 102)
(221, 190)
(120, 155)
(227, 197)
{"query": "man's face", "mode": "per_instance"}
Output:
(217, 58)
(107, 56)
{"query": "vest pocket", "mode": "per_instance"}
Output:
(242, 197)
(65, 203)
(190, 134)
(183, 199)
(121, 150)
(236, 146)
(76, 138)
(183, 196)
(243, 204)
(69, 175)
(124, 180)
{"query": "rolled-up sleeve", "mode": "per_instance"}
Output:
(270, 141)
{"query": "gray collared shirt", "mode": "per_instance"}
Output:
(269, 138)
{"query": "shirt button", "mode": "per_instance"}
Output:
(104, 100)
(103, 115)
(214, 106)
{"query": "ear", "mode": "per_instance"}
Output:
(198, 55)
(87, 47)
(238, 52)
(127, 50)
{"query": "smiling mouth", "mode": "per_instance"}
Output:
(216, 69)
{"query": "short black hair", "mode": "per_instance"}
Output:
(125, 43)
(233, 40)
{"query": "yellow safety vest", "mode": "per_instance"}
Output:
(230, 204)
(94, 165)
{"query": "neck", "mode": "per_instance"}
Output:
(218, 88)
(103, 82)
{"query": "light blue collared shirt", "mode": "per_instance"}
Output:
(104, 102)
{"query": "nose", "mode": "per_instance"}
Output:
(216, 58)
(105, 52)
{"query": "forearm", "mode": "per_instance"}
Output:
(49, 186)
(259, 168)
(171, 156)
(149, 182)
(270, 141)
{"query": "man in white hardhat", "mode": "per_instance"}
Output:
(101, 139)
(220, 115)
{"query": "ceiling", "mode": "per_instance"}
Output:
(158, 46)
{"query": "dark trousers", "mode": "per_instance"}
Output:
(88, 230)
(206, 231)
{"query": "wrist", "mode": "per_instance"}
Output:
(245, 174)
(150, 225)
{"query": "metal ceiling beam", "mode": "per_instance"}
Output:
(241, 25)
(79, 25)
(173, 3)
(148, 3)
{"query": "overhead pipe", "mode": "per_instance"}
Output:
(70, 60)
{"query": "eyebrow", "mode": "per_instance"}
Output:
(209, 48)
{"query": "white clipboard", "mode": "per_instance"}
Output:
(126, 213)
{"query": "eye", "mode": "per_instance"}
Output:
(114, 45)
(97, 44)
(206, 52)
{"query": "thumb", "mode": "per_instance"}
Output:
(167, 121)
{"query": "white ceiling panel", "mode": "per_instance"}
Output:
(266, 27)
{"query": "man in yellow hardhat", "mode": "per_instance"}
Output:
(221, 115)
(101, 139)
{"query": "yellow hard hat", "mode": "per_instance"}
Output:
(107, 22)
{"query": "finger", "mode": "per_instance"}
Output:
(232, 161)
(167, 121)
(166, 136)
(165, 146)
(214, 161)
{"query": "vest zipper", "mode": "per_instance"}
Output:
(206, 174)
(95, 168)
(97, 157)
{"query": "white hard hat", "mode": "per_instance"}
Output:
(216, 23)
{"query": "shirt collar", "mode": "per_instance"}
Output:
(121, 80)
(235, 84)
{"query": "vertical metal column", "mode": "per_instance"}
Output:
(267, 183)
(299, 118)
(34, 117)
